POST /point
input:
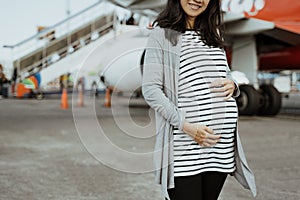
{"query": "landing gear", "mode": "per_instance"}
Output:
(248, 101)
(265, 101)
(272, 100)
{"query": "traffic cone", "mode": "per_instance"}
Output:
(107, 98)
(64, 99)
(80, 98)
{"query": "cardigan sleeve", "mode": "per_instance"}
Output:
(153, 84)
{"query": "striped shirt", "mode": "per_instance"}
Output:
(200, 65)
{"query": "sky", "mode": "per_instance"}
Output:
(19, 19)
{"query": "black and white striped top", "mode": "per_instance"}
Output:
(200, 65)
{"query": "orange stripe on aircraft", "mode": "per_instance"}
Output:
(284, 13)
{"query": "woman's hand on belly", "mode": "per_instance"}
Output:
(203, 135)
(223, 87)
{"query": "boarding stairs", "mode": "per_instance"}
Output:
(60, 45)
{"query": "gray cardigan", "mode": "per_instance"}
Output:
(160, 90)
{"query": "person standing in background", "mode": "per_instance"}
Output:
(14, 81)
(3, 80)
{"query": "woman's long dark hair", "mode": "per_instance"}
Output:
(208, 25)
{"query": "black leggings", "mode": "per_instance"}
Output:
(203, 186)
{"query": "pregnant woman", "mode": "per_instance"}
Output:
(186, 80)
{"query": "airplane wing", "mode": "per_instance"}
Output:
(286, 17)
(285, 14)
(241, 24)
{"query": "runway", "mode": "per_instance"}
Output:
(50, 153)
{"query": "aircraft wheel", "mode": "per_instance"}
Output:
(272, 100)
(248, 101)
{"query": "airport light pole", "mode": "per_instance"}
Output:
(68, 11)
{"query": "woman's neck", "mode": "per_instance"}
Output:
(190, 23)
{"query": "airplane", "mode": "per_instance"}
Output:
(264, 35)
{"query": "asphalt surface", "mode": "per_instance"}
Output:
(48, 153)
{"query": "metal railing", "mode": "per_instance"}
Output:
(62, 39)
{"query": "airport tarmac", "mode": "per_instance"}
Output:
(49, 153)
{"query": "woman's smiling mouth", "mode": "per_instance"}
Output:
(194, 6)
